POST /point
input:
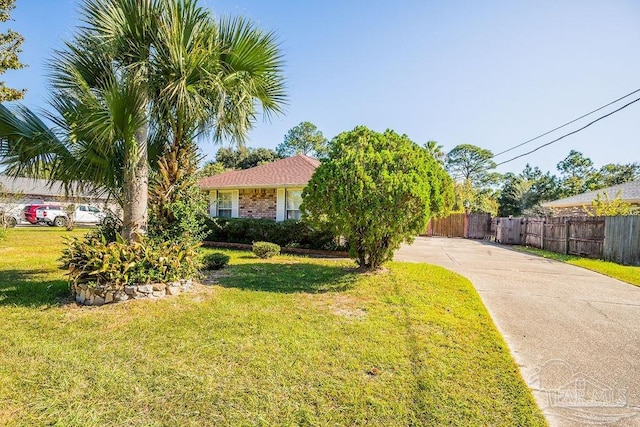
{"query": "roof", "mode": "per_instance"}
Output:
(629, 192)
(41, 187)
(293, 171)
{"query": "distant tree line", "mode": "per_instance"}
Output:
(480, 188)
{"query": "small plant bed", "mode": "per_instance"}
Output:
(625, 273)
(279, 341)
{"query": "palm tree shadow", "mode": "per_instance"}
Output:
(26, 288)
(288, 278)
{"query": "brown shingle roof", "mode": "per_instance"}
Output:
(289, 172)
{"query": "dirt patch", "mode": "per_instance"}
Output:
(347, 306)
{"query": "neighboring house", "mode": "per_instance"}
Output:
(628, 192)
(272, 190)
(31, 189)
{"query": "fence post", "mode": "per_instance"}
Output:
(567, 235)
(544, 222)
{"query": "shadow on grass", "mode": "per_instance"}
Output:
(26, 288)
(289, 278)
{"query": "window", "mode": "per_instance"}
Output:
(224, 204)
(293, 202)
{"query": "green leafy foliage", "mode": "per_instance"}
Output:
(290, 233)
(245, 157)
(472, 163)
(215, 261)
(95, 261)
(377, 190)
(602, 205)
(265, 249)
(306, 139)
(10, 47)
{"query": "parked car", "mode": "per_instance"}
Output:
(29, 211)
(57, 216)
(11, 217)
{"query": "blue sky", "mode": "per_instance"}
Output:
(488, 73)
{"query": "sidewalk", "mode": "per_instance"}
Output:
(574, 333)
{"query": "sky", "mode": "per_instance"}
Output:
(488, 73)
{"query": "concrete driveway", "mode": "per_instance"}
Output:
(574, 333)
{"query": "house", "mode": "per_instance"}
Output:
(272, 190)
(628, 192)
(41, 190)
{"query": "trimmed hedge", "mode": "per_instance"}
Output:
(265, 249)
(290, 233)
(215, 261)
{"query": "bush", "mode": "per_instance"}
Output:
(290, 233)
(97, 262)
(215, 261)
(378, 190)
(266, 249)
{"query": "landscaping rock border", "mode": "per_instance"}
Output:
(87, 295)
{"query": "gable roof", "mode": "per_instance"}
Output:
(629, 192)
(293, 171)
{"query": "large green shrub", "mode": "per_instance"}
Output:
(265, 249)
(378, 190)
(97, 262)
(290, 233)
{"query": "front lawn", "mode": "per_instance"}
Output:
(626, 273)
(287, 341)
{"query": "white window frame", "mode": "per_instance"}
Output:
(219, 203)
(292, 213)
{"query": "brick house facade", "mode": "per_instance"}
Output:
(271, 191)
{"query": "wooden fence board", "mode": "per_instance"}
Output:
(479, 225)
(585, 237)
(622, 239)
(534, 233)
(450, 226)
(509, 231)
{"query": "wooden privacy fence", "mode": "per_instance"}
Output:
(614, 238)
(479, 226)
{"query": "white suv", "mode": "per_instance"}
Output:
(56, 216)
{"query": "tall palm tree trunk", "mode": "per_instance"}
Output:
(136, 189)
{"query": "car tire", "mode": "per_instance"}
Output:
(13, 222)
(60, 221)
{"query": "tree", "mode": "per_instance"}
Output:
(577, 174)
(470, 162)
(524, 192)
(614, 174)
(244, 157)
(377, 190)
(10, 43)
(136, 86)
(211, 168)
(436, 151)
(306, 139)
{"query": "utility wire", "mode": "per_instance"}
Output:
(570, 133)
(566, 124)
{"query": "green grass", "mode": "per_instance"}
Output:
(286, 341)
(626, 273)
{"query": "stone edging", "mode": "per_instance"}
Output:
(284, 249)
(87, 295)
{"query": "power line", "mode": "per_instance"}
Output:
(570, 133)
(566, 124)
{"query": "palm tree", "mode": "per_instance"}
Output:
(435, 150)
(136, 86)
